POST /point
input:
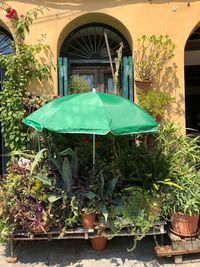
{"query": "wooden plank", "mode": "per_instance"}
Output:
(79, 232)
(60, 76)
(178, 259)
(168, 251)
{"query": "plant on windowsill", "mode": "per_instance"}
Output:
(151, 55)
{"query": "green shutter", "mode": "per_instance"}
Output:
(63, 76)
(130, 72)
(60, 76)
(127, 68)
(125, 76)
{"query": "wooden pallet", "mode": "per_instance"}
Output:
(77, 233)
(81, 232)
(179, 247)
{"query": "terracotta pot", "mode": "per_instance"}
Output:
(143, 85)
(88, 219)
(99, 242)
(184, 224)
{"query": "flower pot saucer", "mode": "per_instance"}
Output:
(184, 235)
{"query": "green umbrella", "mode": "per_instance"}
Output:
(92, 113)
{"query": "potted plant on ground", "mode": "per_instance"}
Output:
(181, 204)
(151, 55)
(99, 242)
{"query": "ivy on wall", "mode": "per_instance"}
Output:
(21, 67)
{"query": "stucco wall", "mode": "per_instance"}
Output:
(132, 17)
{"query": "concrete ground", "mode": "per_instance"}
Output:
(78, 253)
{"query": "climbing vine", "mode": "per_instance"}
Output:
(21, 67)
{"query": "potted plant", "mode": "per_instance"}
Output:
(151, 55)
(182, 203)
(135, 211)
(89, 213)
(97, 194)
(99, 242)
(155, 102)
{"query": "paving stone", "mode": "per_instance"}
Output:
(78, 253)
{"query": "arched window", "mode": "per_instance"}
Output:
(5, 48)
(85, 52)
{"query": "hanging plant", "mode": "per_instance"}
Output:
(21, 67)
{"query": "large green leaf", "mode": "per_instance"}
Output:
(102, 184)
(45, 180)
(111, 186)
(53, 198)
(37, 159)
(74, 164)
(21, 154)
(66, 174)
(90, 195)
(104, 211)
(57, 163)
(170, 183)
(67, 152)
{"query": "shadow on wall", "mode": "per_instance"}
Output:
(75, 6)
(169, 83)
(44, 86)
(41, 88)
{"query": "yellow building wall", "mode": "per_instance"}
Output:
(133, 18)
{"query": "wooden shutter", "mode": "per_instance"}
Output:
(127, 71)
(63, 76)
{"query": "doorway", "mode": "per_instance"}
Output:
(84, 52)
(192, 82)
(97, 76)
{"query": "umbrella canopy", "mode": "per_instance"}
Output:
(92, 113)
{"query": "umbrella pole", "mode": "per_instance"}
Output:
(93, 150)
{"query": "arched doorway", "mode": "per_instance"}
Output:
(192, 81)
(5, 48)
(85, 52)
